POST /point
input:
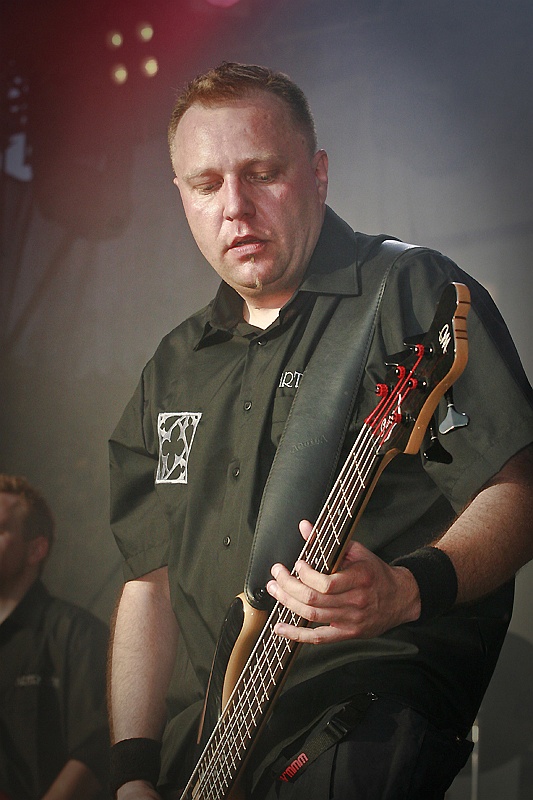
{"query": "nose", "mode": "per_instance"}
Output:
(237, 200)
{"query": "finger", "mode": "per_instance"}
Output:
(299, 598)
(305, 528)
(305, 585)
(320, 635)
(356, 552)
(318, 581)
(353, 575)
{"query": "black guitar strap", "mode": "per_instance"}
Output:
(306, 459)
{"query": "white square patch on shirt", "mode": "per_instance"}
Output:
(176, 432)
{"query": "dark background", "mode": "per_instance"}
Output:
(425, 108)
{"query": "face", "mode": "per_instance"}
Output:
(253, 195)
(19, 557)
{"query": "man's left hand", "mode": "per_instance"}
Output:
(365, 598)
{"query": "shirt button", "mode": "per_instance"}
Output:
(235, 472)
(226, 541)
(248, 405)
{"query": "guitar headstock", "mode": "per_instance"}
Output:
(420, 375)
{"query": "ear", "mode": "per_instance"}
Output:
(320, 166)
(38, 549)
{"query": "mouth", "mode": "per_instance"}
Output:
(246, 245)
(243, 241)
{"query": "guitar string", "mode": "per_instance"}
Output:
(315, 557)
(352, 466)
(382, 411)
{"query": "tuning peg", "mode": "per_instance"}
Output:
(420, 340)
(435, 451)
(454, 419)
(396, 359)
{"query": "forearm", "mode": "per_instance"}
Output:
(493, 537)
(75, 782)
(142, 658)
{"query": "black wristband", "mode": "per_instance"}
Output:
(435, 574)
(134, 760)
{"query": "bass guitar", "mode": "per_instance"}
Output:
(251, 661)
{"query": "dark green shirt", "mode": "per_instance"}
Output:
(192, 452)
(52, 694)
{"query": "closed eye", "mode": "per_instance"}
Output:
(207, 188)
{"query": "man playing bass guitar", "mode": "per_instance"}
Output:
(399, 642)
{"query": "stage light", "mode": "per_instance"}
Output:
(145, 31)
(114, 39)
(133, 39)
(119, 74)
(149, 67)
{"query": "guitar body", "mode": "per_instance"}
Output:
(239, 633)
(251, 662)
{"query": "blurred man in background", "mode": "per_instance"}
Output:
(53, 732)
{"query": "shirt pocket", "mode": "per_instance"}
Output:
(280, 411)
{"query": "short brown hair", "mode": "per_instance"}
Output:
(38, 520)
(232, 81)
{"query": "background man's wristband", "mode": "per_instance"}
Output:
(134, 760)
(435, 575)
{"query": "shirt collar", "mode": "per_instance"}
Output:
(25, 611)
(332, 266)
(331, 271)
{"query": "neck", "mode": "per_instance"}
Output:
(10, 597)
(7, 606)
(259, 317)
